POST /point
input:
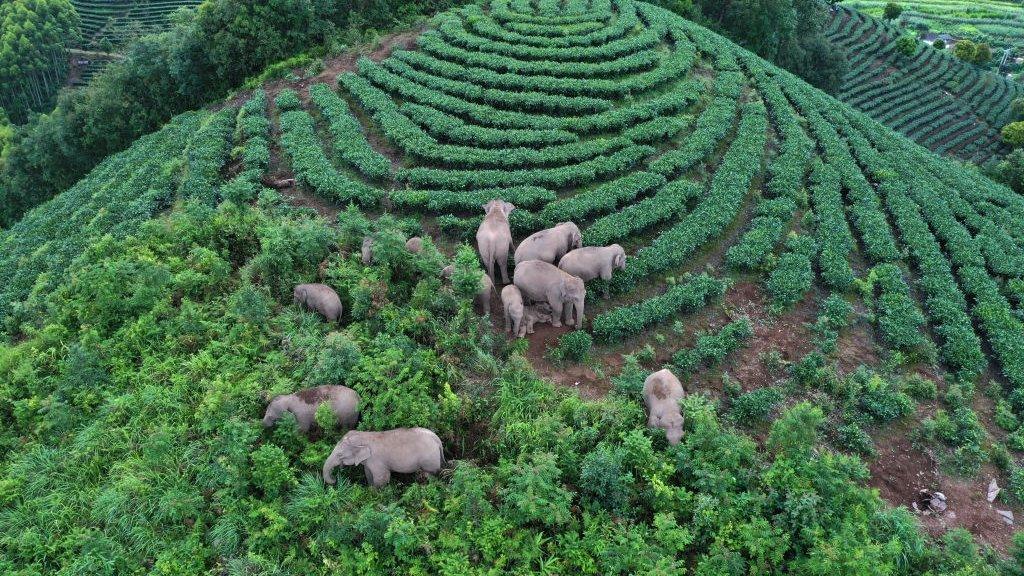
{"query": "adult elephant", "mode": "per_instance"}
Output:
(594, 262)
(402, 450)
(549, 245)
(544, 282)
(494, 238)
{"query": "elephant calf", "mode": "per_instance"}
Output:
(320, 298)
(542, 282)
(482, 300)
(519, 318)
(402, 450)
(343, 400)
(662, 392)
(594, 262)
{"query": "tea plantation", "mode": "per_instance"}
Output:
(146, 319)
(940, 102)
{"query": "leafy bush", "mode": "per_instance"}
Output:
(755, 406)
(604, 479)
(573, 346)
(271, 471)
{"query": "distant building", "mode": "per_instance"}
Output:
(949, 39)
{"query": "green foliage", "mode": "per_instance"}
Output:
(966, 50)
(907, 45)
(625, 321)
(33, 53)
(1013, 134)
(939, 44)
(271, 472)
(793, 275)
(892, 11)
(574, 346)
(755, 406)
(711, 348)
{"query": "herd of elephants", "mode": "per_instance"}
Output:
(551, 267)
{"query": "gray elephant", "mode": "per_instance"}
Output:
(343, 400)
(594, 262)
(414, 245)
(662, 392)
(543, 282)
(519, 318)
(402, 450)
(549, 245)
(482, 300)
(367, 251)
(494, 238)
(531, 316)
(320, 298)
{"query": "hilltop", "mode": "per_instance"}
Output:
(842, 305)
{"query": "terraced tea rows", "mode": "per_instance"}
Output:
(933, 98)
(116, 20)
(998, 22)
(701, 159)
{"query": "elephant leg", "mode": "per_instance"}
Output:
(489, 264)
(377, 475)
(485, 301)
(567, 315)
(508, 321)
(517, 323)
(503, 263)
(556, 312)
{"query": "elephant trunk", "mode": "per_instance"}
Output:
(332, 462)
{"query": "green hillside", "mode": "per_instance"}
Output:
(998, 22)
(827, 290)
(948, 106)
(115, 21)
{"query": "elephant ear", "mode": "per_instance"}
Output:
(360, 454)
(508, 207)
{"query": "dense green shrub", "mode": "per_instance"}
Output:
(755, 406)
(573, 346)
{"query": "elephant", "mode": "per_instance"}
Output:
(549, 245)
(594, 262)
(520, 319)
(320, 298)
(367, 251)
(343, 400)
(482, 299)
(414, 245)
(402, 450)
(494, 238)
(543, 282)
(531, 316)
(662, 392)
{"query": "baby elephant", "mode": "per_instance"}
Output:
(402, 450)
(319, 298)
(519, 319)
(662, 392)
(594, 262)
(343, 400)
(534, 314)
(482, 300)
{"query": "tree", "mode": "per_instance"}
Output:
(790, 33)
(907, 45)
(1013, 134)
(34, 37)
(892, 11)
(965, 50)
(1017, 107)
(939, 44)
(982, 54)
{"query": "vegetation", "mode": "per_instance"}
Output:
(939, 100)
(109, 25)
(33, 53)
(146, 319)
(997, 22)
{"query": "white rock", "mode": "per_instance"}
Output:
(993, 490)
(1007, 516)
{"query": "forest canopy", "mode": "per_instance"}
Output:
(34, 38)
